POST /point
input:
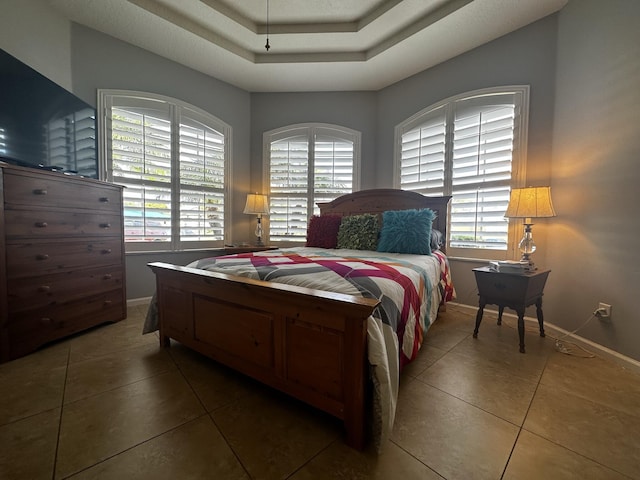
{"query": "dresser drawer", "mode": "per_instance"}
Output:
(39, 190)
(28, 293)
(49, 223)
(30, 330)
(41, 258)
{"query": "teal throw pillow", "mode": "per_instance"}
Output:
(406, 231)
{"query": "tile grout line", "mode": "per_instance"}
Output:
(64, 389)
(208, 413)
(521, 427)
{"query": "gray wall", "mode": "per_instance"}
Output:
(34, 32)
(596, 172)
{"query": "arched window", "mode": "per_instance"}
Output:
(473, 147)
(306, 164)
(173, 159)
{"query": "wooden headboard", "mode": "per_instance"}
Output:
(382, 199)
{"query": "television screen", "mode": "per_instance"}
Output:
(43, 125)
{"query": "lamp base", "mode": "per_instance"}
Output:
(526, 258)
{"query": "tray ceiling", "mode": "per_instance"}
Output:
(317, 45)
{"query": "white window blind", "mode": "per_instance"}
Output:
(307, 165)
(423, 155)
(202, 182)
(172, 161)
(470, 147)
(483, 139)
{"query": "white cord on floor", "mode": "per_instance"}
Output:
(569, 348)
(563, 348)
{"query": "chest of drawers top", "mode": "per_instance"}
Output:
(24, 187)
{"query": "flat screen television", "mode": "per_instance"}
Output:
(42, 125)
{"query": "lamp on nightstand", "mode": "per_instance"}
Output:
(529, 203)
(257, 204)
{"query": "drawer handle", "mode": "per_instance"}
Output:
(42, 224)
(104, 199)
(107, 303)
(45, 321)
(44, 288)
(40, 191)
(42, 256)
(106, 251)
(105, 225)
(107, 276)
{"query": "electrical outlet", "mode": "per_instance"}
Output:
(604, 310)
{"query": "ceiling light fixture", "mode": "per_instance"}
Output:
(267, 46)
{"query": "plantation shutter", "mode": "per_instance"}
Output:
(141, 153)
(289, 166)
(307, 165)
(466, 147)
(202, 185)
(333, 168)
(482, 153)
(172, 158)
(423, 155)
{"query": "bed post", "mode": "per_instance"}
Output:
(355, 378)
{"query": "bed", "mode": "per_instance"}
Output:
(333, 350)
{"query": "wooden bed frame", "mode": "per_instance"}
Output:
(307, 343)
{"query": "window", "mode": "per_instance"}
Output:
(471, 147)
(307, 164)
(172, 158)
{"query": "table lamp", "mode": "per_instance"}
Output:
(257, 204)
(529, 203)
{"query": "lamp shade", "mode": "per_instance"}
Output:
(257, 204)
(530, 202)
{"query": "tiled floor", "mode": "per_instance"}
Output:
(109, 404)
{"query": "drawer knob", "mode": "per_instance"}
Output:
(107, 276)
(42, 224)
(104, 199)
(45, 321)
(40, 191)
(42, 256)
(106, 251)
(44, 288)
(105, 225)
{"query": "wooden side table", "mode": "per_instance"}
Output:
(513, 290)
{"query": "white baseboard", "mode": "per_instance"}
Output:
(134, 302)
(595, 348)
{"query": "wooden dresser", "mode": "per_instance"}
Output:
(62, 264)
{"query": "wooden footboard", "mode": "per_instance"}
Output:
(307, 343)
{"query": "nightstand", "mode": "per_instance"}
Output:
(513, 290)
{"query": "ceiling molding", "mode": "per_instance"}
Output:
(320, 45)
(399, 34)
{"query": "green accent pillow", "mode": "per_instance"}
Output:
(406, 231)
(359, 232)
